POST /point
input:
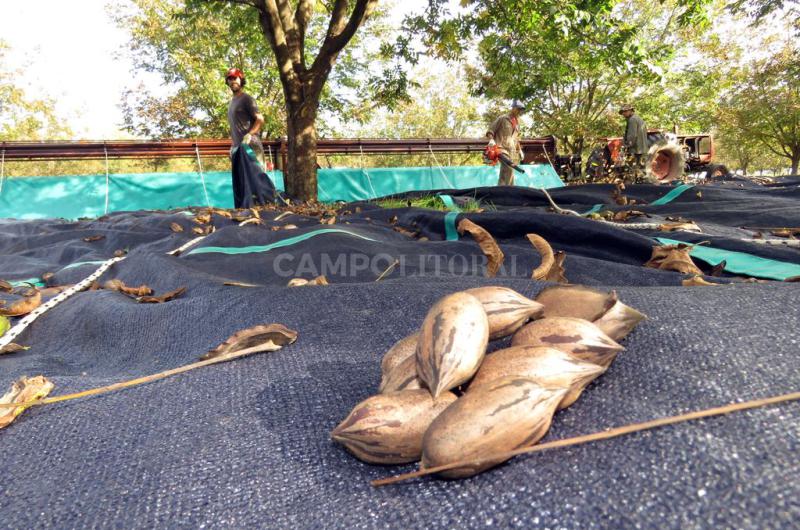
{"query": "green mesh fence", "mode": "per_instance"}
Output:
(74, 197)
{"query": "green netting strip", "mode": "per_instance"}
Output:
(450, 231)
(594, 209)
(79, 263)
(741, 262)
(278, 244)
(37, 282)
(74, 197)
(449, 202)
(672, 195)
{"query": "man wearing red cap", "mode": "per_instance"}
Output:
(243, 117)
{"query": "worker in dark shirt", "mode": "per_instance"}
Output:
(243, 117)
(635, 140)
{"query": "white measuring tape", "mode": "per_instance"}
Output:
(14, 332)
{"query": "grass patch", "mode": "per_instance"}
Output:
(432, 202)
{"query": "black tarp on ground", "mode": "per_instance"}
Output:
(246, 444)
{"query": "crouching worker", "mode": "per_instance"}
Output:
(251, 185)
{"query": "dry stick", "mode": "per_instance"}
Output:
(604, 435)
(388, 270)
(140, 380)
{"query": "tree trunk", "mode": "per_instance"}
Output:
(795, 161)
(300, 176)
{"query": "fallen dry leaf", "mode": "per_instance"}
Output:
(223, 213)
(557, 272)
(699, 194)
(328, 220)
(673, 258)
(786, 232)
(23, 390)
(23, 306)
(202, 218)
(255, 213)
(546, 252)
(696, 280)
(163, 298)
(47, 276)
(269, 337)
(689, 226)
(624, 215)
(300, 282)
(12, 347)
(5, 286)
(251, 221)
(719, 268)
(198, 230)
(119, 285)
(487, 243)
(175, 227)
(56, 289)
(241, 284)
(119, 253)
(91, 239)
(288, 227)
(405, 232)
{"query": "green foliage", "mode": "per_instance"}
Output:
(571, 62)
(191, 44)
(21, 117)
(428, 201)
(765, 105)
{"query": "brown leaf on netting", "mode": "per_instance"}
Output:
(689, 226)
(786, 232)
(328, 220)
(120, 253)
(696, 280)
(289, 227)
(488, 245)
(557, 272)
(699, 194)
(673, 258)
(203, 218)
(163, 298)
(175, 227)
(255, 213)
(5, 286)
(393, 220)
(13, 347)
(251, 221)
(719, 268)
(47, 276)
(405, 232)
(546, 252)
(198, 230)
(91, 239)
(223, 213)
(119, 285)
(56, 289)
(624, 215)
(240, 284)
(23, 306)
(23, 390)
(269, 337)
(300, 282)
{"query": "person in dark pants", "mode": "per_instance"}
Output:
(504, 132)
(251, 185)
(244, 119)
(635, 140)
